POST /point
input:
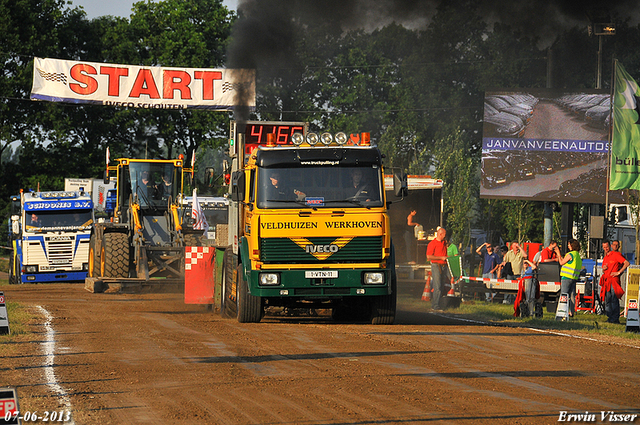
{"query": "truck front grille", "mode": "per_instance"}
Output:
(364, 249)
(60, 252)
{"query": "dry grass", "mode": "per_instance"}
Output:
(503, 314)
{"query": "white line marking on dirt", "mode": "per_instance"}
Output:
(49, 347)
(538, 330)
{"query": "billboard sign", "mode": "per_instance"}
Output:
(546, 145)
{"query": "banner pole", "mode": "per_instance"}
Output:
(610, 135)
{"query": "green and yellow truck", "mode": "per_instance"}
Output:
(308, 225)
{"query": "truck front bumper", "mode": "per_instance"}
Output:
(296, 283)
(60, 276)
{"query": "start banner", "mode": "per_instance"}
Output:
(148, 87)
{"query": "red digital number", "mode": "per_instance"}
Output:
(256, 134)
(255, 131)
(282, 136)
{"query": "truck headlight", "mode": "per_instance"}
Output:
(374, 278)
(31, 269)
(269, 279)
(85, 267)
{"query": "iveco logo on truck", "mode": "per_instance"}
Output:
(321, 248)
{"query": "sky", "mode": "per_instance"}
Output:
(95, 8)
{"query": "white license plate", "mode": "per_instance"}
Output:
(321, 274)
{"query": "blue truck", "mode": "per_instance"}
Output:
(49, 233)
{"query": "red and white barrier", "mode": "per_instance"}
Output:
(510, 284)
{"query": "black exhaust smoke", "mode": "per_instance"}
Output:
(265, 34)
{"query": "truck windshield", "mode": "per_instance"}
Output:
(152, 183)
(319, 187)
(36, 221)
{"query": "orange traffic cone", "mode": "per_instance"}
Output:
(451, 292)
(426, 293)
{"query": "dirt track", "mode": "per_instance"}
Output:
(138, 359)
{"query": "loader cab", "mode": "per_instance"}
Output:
(152, 185)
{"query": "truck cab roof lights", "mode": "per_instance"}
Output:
(327, 139)
(297, 139)
(46, 195)
(312, 138)
(341, 138)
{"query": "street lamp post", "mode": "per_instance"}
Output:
(601, 30)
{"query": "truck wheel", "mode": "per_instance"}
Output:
(250, 308)
(94, 261)
(13, 276)
(227, 292)
(383, 308)
(114, 258)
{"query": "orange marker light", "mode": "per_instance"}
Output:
(365, 139)
(271, 140)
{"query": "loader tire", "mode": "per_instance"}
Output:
(94, 260)
(193, 240)
(114, 259)
(228, 299)
(250, 309)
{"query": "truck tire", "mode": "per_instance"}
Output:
(94, 260)
(114, 258)
(383, 308)
(228, 307)
(14, 273)
(250, 308)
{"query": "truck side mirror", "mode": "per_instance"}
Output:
(15, 224)
(237, 186)
(400, 184)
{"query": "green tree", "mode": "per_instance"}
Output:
(191, 33)
(459, 171)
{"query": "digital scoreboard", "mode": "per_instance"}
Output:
(256, 133)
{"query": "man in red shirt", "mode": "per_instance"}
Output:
(548, 254)
(613, 265)
(437, 255)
